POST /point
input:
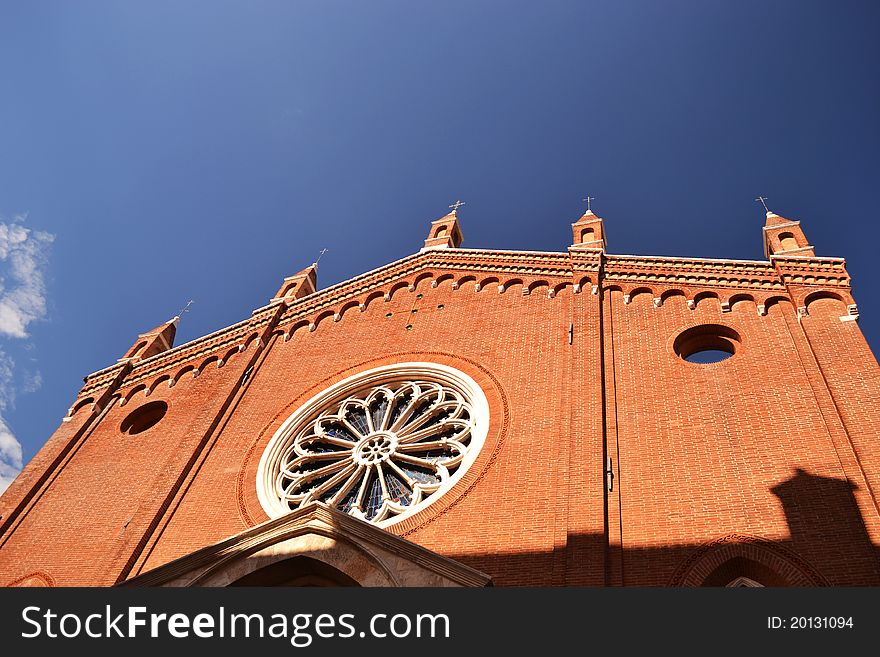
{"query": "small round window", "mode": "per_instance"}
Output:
(144, 417)
(706, 344)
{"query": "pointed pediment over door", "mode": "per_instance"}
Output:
(313, 546)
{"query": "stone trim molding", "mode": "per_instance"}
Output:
(198, 567)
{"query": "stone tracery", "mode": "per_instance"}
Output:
(384, 449)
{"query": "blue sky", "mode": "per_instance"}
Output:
(155, 152)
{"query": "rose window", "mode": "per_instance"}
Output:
(380, 451)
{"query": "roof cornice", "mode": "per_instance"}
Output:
(550, 265)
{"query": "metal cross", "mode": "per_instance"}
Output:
(323, 251)
(763, 200)
(185, 309)
(588, 199)
(455, 206)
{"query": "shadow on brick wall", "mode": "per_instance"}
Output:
(827, 545)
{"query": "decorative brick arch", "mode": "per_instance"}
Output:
(763, 559)
(34, 580)
(826, 294)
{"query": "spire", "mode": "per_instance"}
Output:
(588, 231)
(300, 284)
(445, 232)
(784, 237)
(155, 341)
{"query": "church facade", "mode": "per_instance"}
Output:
(470, 417)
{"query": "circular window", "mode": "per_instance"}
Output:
(709, 343)
(144, 417)
(381, 445)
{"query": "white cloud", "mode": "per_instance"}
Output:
(32, 381)
(23, 258)
(10, 456)
(10, 448)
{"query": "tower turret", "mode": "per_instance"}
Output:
(445, 233)
(588, 232)
(153, 342)
(299, 285)
(785, 237)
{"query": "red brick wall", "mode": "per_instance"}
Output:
(83, 528)
(703, 446)
(773, 449)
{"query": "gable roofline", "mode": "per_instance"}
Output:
(556, 264)
(315, 518)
